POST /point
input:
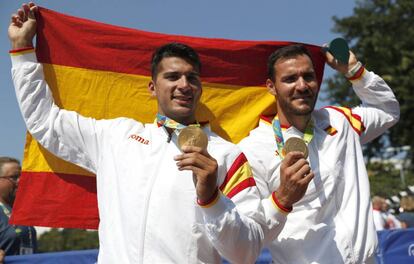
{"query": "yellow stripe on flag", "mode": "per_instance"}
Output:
(111, 95)
(38, 159)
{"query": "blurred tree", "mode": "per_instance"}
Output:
(381, 33)
(385, 179)
(67, 239)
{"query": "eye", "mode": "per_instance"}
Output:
(172, 76)
(193, 78)
(309, 77)
(290, 79)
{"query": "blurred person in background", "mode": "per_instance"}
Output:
(14, 240)
(407, 211)
(383, 218)
(378, 216)
(391, 220)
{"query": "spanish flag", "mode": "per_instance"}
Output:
(102, 71)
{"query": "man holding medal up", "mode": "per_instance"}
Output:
(333, 222)
(162, 197)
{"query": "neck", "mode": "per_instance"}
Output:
(300, 122)
(188, 120)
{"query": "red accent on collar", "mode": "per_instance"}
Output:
(267, 118)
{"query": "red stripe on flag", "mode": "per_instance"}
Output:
(100, 46)
(240, 160)
(67, 201)
(249, 182)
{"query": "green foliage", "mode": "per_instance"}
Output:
(385, 180)
(67, 239)
(381, 34)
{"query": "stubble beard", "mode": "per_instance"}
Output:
(290, 109)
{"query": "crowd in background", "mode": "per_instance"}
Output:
(386, 218)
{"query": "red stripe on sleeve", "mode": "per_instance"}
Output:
(13, 51)
(355, 116)
(240, 160)
(249, 182)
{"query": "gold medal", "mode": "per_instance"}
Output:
(192, 136)
(295, 144)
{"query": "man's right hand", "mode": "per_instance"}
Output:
(22, 28)
(295, 175)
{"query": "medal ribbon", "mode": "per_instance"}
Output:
(164, 121)
(277, 129)
(5, 210)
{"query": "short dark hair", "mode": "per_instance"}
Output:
(174, 49)
(286, 52)
(4, 160)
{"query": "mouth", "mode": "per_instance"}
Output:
(302, 98)
(183, 99)
(302, 101)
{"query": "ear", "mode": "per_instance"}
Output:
(271, 87)
(151, 88)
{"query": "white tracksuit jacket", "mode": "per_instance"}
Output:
(147, 207)
(333, 222)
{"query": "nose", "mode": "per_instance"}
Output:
(302, 84)
(183, 82)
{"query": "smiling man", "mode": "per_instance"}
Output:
(168, 72)
(333, 222)
(158, 202)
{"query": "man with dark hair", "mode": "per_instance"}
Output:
(158, 202)
(290, 51)
(174, 49)
(333, 222)
(14, 240)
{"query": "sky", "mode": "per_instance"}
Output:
(303, 21)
